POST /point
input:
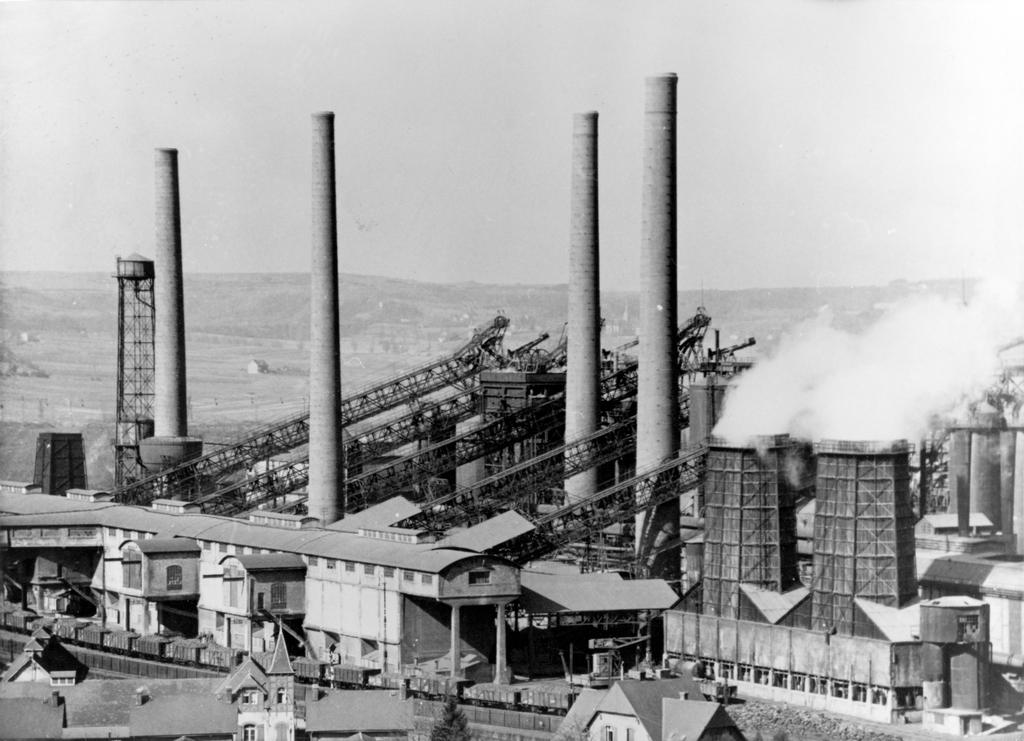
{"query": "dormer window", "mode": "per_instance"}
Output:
(250, 697)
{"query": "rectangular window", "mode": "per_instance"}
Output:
(278, 596)
(313, 560)
(174, 578)
(630, 735)
(350, 567)
(427, 578)
(329, 563)
(222, 548)
(408, 575)
(479, 577)
(388, 572)
(368, 569)
(609, 733)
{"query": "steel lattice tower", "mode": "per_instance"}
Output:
(135, 365)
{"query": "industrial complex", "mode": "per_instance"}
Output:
(509, 526)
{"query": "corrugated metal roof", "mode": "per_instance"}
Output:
(490, 533)
(378, 516)
(168, 545)
(550, 593)
(774, 605)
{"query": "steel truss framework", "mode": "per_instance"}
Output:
(618, 503)
(136, 370)
(191, 479)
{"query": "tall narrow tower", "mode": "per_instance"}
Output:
(583, 375)
(170, 329)
(135, 366)
(657, 416)
(326, 452)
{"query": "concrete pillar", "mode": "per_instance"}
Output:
(169, 303)
(984, 479)
(326, 449)
(658, 389)
(1017, 514)
(1007, 461)
(456, 643)
(960, 478)
(502, 675)
(583, 373)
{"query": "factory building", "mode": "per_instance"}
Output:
(375, 596)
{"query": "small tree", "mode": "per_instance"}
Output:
(452, 725)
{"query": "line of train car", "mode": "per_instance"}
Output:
(548, 699)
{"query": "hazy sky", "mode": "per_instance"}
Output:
(820, 142)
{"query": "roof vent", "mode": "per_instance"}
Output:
(89, 495)
(175, 506)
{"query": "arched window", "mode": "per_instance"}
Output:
(249, 733)
(282, 696)
(174, 578)
(131, 568)
(278, 596)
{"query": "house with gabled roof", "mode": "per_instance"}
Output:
(44, 659)
(649, 710)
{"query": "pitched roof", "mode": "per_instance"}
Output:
(280, 663)
(352, 711)
(574, 724)
(248, 674)
(690, 719)
(179, 714)
(107, 703)
(607, 592)
(50, 656)
(38, 721)
(642, 699)
(490, 533)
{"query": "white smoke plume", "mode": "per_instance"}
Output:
(926, 356)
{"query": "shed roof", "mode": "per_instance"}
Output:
(378, 516)
(354, 711)
(601, 592)
(946, 521)
(490, 533)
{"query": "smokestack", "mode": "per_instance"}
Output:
(169, 301)
(582, 377)
(657, 380)
(326, 451)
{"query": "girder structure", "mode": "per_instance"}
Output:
(618, 503)
(375, 486)
(519, 486)
(384, 437)
(192, 478)
(136, 368)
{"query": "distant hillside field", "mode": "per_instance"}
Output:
(58, 332)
